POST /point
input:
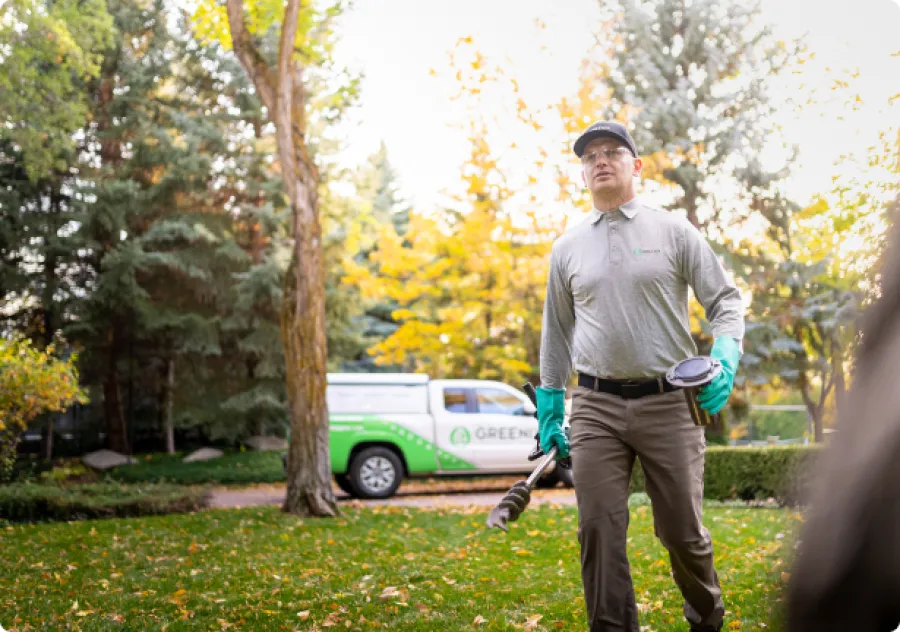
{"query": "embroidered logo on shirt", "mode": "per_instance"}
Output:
(640, 251)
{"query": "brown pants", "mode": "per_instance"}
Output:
(607, 432)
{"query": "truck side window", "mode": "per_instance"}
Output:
(455, 400)
(497, 401)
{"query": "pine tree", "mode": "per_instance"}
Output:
(256, 400)
(692, 81)
(158, 229)
(42, 269)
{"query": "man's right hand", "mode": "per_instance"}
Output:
(551, 410)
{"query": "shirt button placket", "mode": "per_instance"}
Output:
(615, 242)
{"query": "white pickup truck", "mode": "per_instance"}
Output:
(387, 426)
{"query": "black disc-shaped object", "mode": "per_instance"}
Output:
(694, 372)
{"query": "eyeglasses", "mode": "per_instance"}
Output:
(608, 153)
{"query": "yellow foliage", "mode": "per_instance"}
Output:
(31, 383)
(210, 21)
(468, 285)
(738, 432)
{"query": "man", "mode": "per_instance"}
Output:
(617, 309)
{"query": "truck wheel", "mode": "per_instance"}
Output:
(343, 481)
(568, 480)
(548, 481)
(558, 475)
(375, 473)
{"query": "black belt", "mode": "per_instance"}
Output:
(626, 389)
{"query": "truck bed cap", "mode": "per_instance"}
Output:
(396, 379)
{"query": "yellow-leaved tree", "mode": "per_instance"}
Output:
(32, 382)
(469, 280)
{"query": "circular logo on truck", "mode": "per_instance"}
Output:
(460, 436)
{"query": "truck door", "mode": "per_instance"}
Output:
(504, 430)
(483, 426)
(453, 408)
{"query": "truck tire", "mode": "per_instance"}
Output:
(343, 481)
(566, 477)
(558, 475)
(375, 472)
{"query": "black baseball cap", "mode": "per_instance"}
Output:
(605, 129)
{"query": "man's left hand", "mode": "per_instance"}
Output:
(714, 395)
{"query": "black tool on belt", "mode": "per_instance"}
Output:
(691, 375)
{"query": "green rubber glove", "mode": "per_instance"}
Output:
(551, 410)
(714, 395)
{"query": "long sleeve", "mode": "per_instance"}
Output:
(712, 285)
(558, 327)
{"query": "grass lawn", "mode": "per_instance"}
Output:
(372, 568)
(235, 468)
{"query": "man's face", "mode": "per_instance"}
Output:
(608, 166)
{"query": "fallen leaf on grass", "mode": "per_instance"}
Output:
(331, 620)
(479, 620)
(303, 614)
(388, 592)
(532, 621)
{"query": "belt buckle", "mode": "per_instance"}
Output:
(631, 390)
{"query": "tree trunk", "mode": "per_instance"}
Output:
(816, 413)
(309, 489)
(814, 410)
(303, 308)
(112, 400)
(840, 379)
(49, 311)
(170, 406)
(47, 437)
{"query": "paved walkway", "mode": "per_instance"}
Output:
(415, 496)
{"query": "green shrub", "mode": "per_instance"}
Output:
(779, 472)
(28, 502)
(236, 468)
(71, 471)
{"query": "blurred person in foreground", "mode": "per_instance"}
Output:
(617, 312)
(846, 573)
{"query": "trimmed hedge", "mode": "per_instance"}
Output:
(29, 502)
(235, 468)
(733, 473)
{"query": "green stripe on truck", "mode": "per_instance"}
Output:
(422, 456)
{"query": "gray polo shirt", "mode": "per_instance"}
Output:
(617, 295)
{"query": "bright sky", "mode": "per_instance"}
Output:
(396, 43)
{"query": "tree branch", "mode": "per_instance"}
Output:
(804, 390)
(249, 56)
(284, 99)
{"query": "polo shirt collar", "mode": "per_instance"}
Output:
(629, 210)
